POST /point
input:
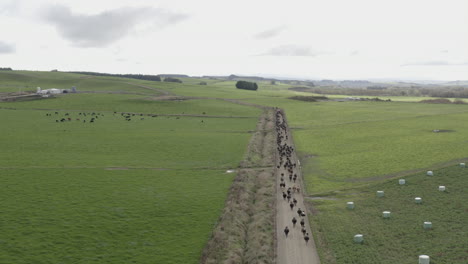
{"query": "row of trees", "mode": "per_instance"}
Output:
(246, 85)
(132, 76)
(440, 91)
(145, 77)
(6, 69)
(170, 79)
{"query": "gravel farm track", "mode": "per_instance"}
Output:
(293, 248)
(250, 229)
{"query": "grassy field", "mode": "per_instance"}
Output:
(149, 190)
(153, 187)
(108, 216)
(36, 140)
(401, 238)
(345, 144)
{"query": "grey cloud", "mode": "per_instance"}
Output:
(292, 50)
(9, 7)
(269, 33)
(102, 29)
(7, 48)
(434, 63)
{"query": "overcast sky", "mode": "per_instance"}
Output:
(315, 39)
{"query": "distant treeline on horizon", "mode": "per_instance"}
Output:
(147, 77)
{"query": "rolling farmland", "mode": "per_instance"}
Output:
(401, 238)
(146, 181)
(112, 190)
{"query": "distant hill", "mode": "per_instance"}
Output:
(173, 75)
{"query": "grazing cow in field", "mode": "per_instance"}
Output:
(306, 238)
(294, 221)
(286, 231)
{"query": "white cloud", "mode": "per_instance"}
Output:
(267, 34)
(435, 63)
(7, 48)
(9, 7)
(224, 37)
(102, 29)
(292, 50)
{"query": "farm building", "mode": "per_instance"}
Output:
(55, 91)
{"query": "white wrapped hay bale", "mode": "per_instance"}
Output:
(386, 214)
(350, 205)
(427, 225)
(462, 165)
(402, 181)
(380, 193)
(359, 238)
(424, 259)
(429, 173)
(442, 188)
(418, 200)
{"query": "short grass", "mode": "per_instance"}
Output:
(344, 144)
(401, 238)
(102, 216)
(149, 190)
(135, 104)
(33, 139)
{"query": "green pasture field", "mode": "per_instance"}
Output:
(108, 216)
(32, 139)
(136, 104)
(28, 81)
(149, 190)
(221, 89)
(401, 238)
(344, 144)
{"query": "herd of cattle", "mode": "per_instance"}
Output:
(288, 167)
(92, 117)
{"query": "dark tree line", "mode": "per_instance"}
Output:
(145, 77)
(247, 85)
(6, 69)
(437, 91)
(170, 79)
